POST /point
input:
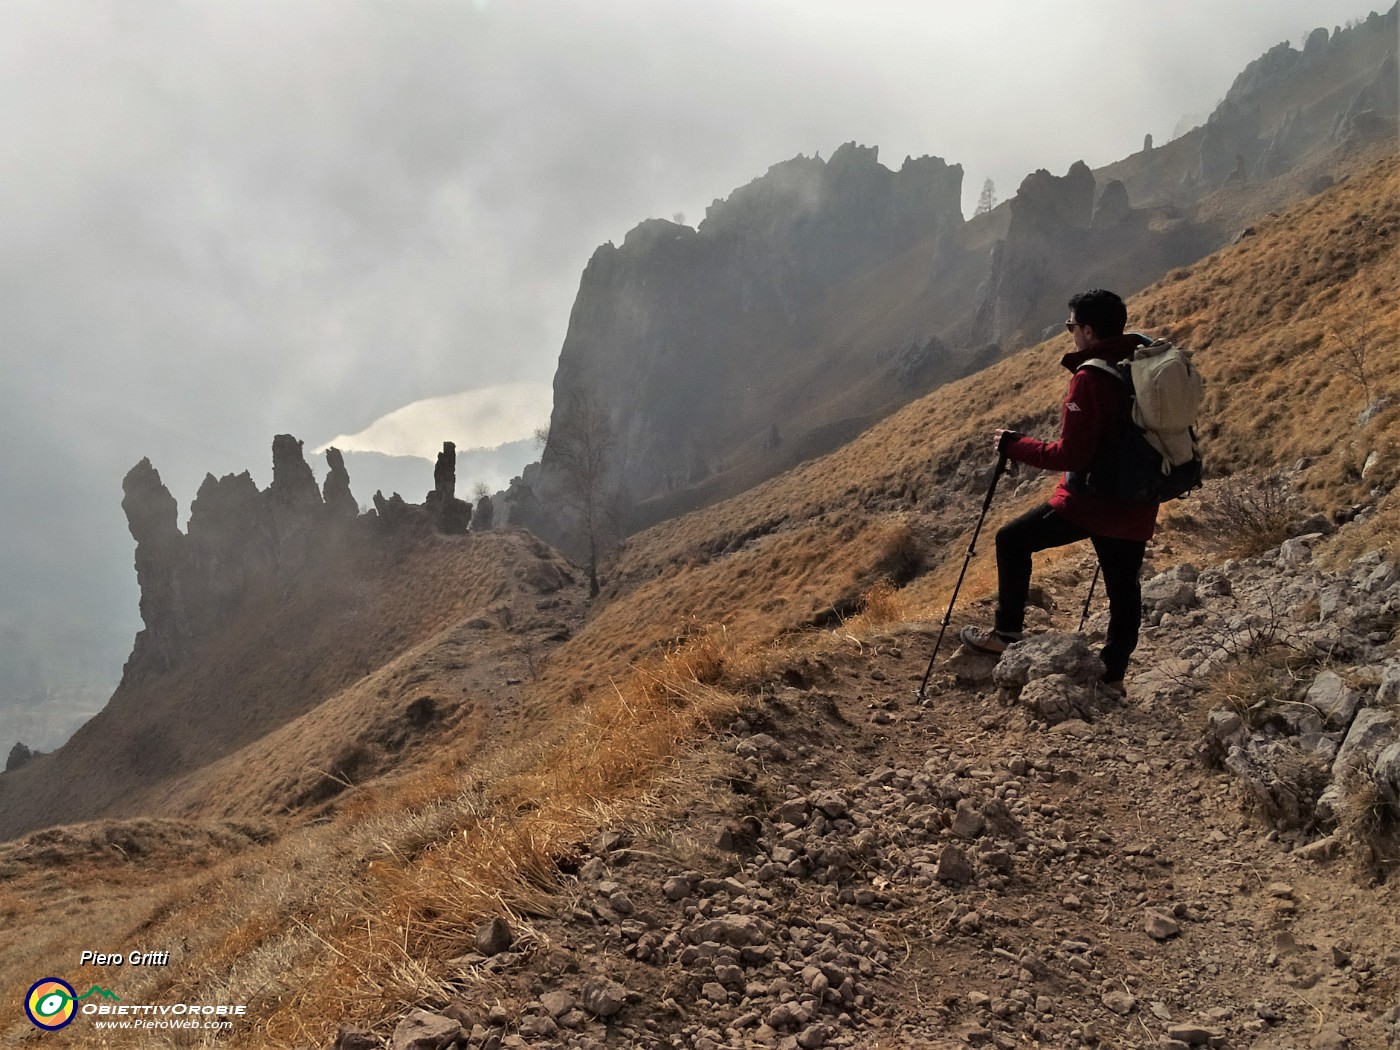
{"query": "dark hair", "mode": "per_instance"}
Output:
(1101, 310)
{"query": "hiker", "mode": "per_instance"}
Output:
(1090, 423)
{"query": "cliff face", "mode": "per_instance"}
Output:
(237, 537)
(685, 335)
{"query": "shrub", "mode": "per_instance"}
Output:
(1246, 513)
(902, 554)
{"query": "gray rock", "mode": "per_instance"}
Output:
(557, 1003)
(1387, 775)
(422, 1030)
(1171, 591)
(1334, 700)
(1120, 1003)
(954, 867)
(1044, 655)
(1388, 692)
(968, 823)
(356, 1039)
(1295, 552)
(813, 1037)
(1159, 925)
(677, 888)
(494, 937)
(1060, 698)
(1214, 583)
(1192, 1035)
(1372, 731)
(603, 998)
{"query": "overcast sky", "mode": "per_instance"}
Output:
(223, 220)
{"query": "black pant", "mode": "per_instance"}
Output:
(1121, 561)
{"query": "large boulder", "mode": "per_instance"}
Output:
(1056, 676)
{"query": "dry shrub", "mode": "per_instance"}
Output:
(881, 605)
(902, 554)
(1366, 819)
(1245, 513)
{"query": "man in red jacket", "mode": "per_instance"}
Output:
(1090, 422)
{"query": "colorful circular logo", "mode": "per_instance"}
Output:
(51, 1003)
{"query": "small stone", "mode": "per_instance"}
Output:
(621, 903)
(1160, 926)
(1323, 849)
(954, 867)
(1330, 1039)
(603, 998)
(1120, 1003)
(537, 1027)
(677, 887)
(422, 1030)
(356, 1039)
(494, 937)
(557, 1004)
(969, 822)
(813, 1037)
(715, 992)
(1191, 1035)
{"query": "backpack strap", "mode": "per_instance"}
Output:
(1098, 364)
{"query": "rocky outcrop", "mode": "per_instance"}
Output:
(1050, 222)
(161, 560)
(1308, 751)
(687, 336)
(237, 537)
(335, 491)
(450, 514)
(20, 755)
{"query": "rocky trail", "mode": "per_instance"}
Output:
(1018, 861)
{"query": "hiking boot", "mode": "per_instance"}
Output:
(1115, 687)
(987, 640)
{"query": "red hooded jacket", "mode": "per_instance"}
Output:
(1092, 414)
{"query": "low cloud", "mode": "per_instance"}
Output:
(485, 418)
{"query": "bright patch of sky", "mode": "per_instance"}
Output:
(486, 418)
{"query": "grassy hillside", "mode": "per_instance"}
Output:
(359, 913)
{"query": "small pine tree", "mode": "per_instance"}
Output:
(988, 200)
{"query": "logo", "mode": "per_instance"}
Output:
(1071, 406)
(51, 1003)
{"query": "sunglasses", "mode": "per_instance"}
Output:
(1070, 326)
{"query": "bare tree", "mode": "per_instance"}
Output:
(988, 200)
(582, 444)
(1355, 361)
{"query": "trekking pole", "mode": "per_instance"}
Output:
(971, 550)
(1092, 584)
